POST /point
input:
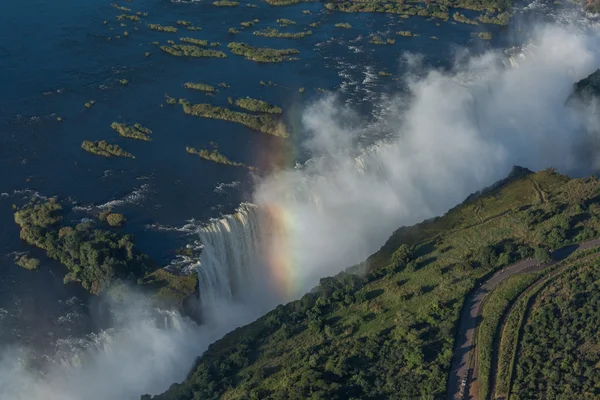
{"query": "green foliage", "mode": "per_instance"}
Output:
(560, 350)
(199, 86)
(180, 50)
(462, 18)
(162, 28)
(216, 156)
(260, 54)
(115, 219)
(482, 35)
(508, 344)
(225, 3)
(410, 8)
(136, 131)
(542, 255)
(171, 289)
(93, 257)
(104, 149)
(262, 123)
(502, 18)
(28, 262)
(41, 215)
(123, 17)
(283, 2)
(170, 100)
(343, 25)
(198, 42)
(283, 22)
(275, 33)
(495, 306)
(255, 105)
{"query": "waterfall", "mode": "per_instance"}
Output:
(231, 263)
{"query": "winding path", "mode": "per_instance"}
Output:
(462, 373)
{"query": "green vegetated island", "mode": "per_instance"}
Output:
(105, 149)
(265, 123)
(260, 54)
(389, 333)
(215, 156)
(136, 131)
(96, 255)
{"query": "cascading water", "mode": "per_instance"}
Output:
(230, 254)
(234, 261)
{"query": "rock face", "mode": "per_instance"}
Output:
(587, 88)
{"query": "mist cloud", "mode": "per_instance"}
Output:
(462, 130)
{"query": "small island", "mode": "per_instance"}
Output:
(180, 50)
(215, 156)
(162, 28)
(275, 33)
(104, 149)
(226, 3)
(136, 131)
(256, 105)
(28, 262)
(260, 54)
(199, 86)
(261, 123)
(198, 42)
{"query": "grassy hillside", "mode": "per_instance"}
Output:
(559, 354)
(389, 334)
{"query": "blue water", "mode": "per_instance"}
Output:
(56, 56)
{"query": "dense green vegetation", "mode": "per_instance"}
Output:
(198, 42)
(112, 219)
(97, 258)
(93, 257)
(462, 18)
(104, 149)
(136, 131)
(559, 353)
(482, 35)
(496, 304)
(29, 263)
(275, 33)
(180, 50)
(389, 334)
(283, 2)
(215, 156)
(283, 22)
(260, 54)
(162, 28)
(343, 25)
(225, 3)
(203, 87)
(256, 105)
(262, 123)
(440, 11)
(508, 344)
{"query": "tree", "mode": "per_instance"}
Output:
(542, 255)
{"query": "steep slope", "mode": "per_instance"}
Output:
(389, 333)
